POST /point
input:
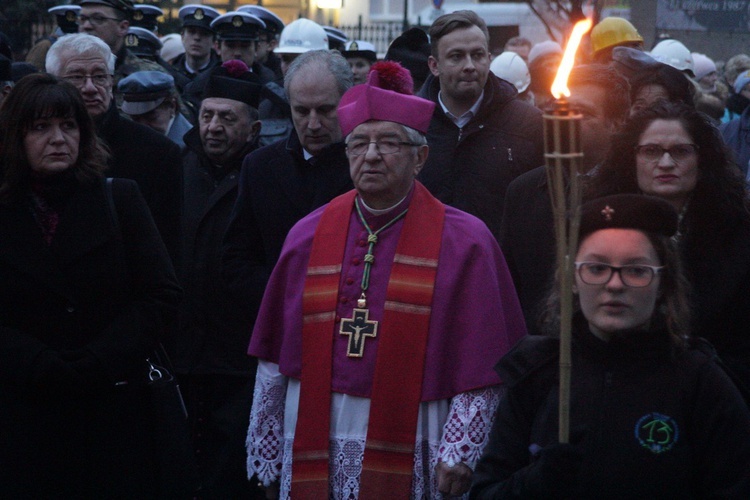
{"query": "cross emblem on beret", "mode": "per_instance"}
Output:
(607, 212)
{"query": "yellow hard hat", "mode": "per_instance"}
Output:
(613, 31)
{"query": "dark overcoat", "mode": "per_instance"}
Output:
(278, 187)
(717, 266)
(470, 168)
(154, 162)
(214, 326)
(79, 318)
(527, 238)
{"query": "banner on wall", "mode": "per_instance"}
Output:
(703, 15)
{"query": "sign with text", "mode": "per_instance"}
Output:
(703, 15)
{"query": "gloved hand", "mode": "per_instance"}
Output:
(554, 474)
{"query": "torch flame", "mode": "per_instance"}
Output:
(560, 85)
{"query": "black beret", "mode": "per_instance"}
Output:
(628, 211)
(233, 80)
(411, 49)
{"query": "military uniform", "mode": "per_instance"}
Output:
(197, 16)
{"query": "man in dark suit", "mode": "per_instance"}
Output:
(209, 350)
(527, 235)
(137, 152)
(481, 135)
(283, 182)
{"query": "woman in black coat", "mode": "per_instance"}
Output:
(650, 416)
(673, 152)
(83, 300)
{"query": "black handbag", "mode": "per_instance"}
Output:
(175, 459)
(177, 474)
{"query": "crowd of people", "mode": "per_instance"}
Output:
(350, 266)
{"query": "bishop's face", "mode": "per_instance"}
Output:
(382, 179)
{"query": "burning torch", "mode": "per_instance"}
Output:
(563, 153)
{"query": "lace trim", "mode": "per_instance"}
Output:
(266, 432)
(467, 427)
(464, 436)
(345, 469)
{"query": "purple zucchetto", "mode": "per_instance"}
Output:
(386, 96)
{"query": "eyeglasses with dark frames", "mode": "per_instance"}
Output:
(382, 146)
(654, 152)
(632, 275)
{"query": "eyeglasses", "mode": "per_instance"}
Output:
(99, 79)
(382, 146)
(654, 152)
(634, 275)
(96, 19)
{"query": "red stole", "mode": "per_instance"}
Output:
(397, 385)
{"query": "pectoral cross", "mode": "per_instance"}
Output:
(358, 328)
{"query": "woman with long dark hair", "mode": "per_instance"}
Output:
(85, 291)
(673, 152)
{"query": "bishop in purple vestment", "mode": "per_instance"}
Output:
(474, 317)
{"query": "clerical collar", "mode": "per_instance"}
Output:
(307, 154)
(382, 211)
(465, 118)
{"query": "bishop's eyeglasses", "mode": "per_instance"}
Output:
(632, 275)
(382, 146)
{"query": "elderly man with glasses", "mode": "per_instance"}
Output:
(136, 151)
(386, 309)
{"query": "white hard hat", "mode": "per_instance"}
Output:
(510, 67)
(171, 46)
(675, 54)
(301, 36)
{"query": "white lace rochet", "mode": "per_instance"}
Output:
(450, 431)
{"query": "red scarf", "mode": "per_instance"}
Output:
(397, 385)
